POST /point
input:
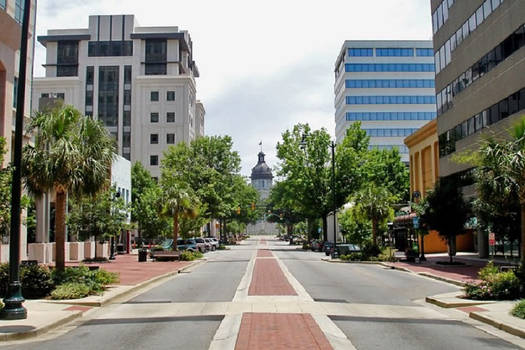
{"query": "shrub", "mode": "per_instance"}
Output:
(36, 281)
(352, 257)
(105, 277)
(4, 279)
(494, 285)
(70, 290)
(519, 309)
(370, 249)
(306, 246)
(222, 247)
(186, 256)
(488, 271)
(197, 255)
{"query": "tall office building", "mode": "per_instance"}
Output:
(11, 13)
(139, 81)
(480, 66)
(386, 85)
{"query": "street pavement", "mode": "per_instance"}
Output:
(265, 294)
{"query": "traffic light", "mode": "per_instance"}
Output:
(253, 205)
(238, 211)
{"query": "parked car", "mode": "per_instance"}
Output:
(317, 245)
(187, 244)
(202, 246)
(328, 248)
(345, 248)
(212, 243)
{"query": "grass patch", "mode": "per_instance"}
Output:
(519, 309)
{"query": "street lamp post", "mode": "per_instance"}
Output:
(112, 238)
(13, 309)
(334, 200)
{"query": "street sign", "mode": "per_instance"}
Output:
(492, 239)
(415, 222)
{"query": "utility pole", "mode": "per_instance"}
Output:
(13, 309)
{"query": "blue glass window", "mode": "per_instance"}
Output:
(390, 132)
(389, 83)
(425, 52)
(358, 100)
(395, 52)
(389, 67)
(373, 116)
(360, 52)
(2, 4)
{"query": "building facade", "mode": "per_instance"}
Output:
(480, 65)
(386, 85)
(11, 15)
(139, 81)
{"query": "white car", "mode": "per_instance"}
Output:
(214, 242)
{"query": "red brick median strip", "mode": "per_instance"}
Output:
(280, 331)
(264, 253)
(269, 279)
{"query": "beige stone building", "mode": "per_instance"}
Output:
(479, 50)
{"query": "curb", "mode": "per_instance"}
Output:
(39, 331)
(503, 326)
(443, 279)
(452, 305)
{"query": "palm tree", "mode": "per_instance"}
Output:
(72, 155)
(178, 203)
(511, 159)
(375, 202)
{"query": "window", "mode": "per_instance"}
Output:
(19, 10)
(479, 15)
(154, 117)
(126, 155)
(154, 160)
(170, 96)
(170, 117)
(359, 52)
(487, 8)
(126, 118)
(389, 67)
(156, 57)
(154, 139)
(358, 100)
(395, 52)
(389, 83)
(108, 94)
(2, 4)
(495, 4)
(110, 48)
(366, 116)
(472, 23)
(67, 58)
(154, 96)
(170, 139)
(126, 139)
(425, 52)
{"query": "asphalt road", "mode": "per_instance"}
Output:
(372, 284)
(217, 280)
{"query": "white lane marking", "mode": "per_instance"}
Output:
(226, 336)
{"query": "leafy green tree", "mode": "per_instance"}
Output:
(5, 192)
(447, 212)
(375, 203)
(102, 215)
(283, 204)
(385, 168)
(71, 155)
(147, 211)
(354, 226)
(141, 181)
(305, 159)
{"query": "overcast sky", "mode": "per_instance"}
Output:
(264, 65)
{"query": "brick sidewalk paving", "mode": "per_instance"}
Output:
(269, 279)
(132, 272)
(264, 253)
(464, 273)
(262, 331)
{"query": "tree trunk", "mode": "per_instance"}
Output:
(374, 231)
(175, 229)
(522, 206)
(325, 228)
(60, 230)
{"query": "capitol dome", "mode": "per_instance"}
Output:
(261, 171)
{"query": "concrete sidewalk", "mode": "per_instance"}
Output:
(45, 314)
